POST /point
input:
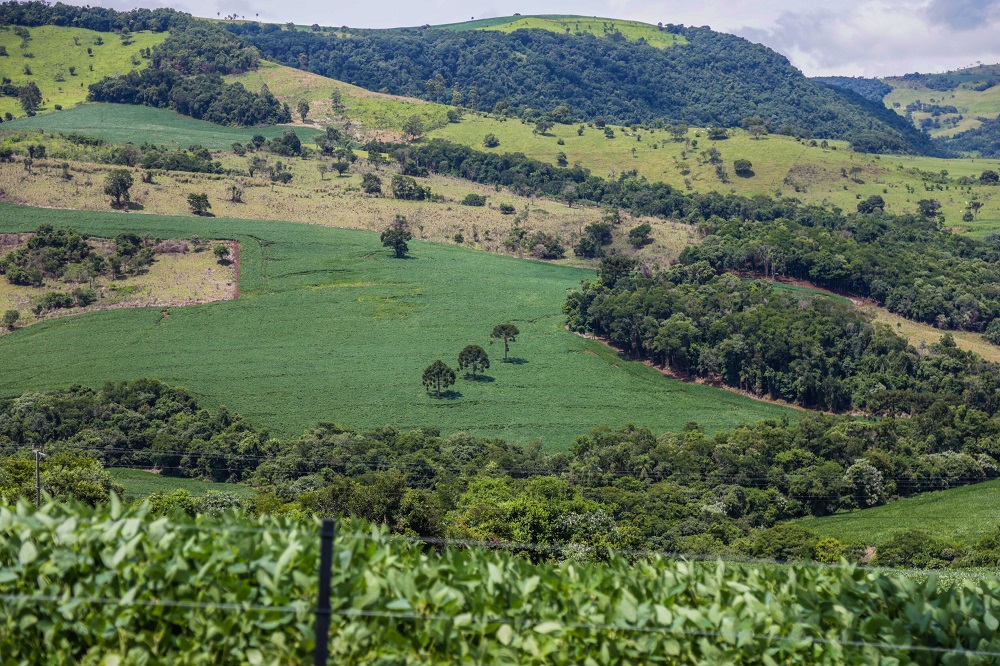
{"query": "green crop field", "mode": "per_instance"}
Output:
(53, 50)
(332, 328)
(961, 514)
(122, 123)
(601, 27)
(781, 165)
(139, 484)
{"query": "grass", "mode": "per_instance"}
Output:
(140, 484)
(916, 333)
(971, 104)
(380, 113)
(960, 514)
(123, 123)
(173, 279)
(333, 201)
(54, 51)
(600, 27)
(331, 328)
(782, 166)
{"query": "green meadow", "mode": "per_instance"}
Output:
(782, 166)
(600, 27)
(52, 51)
(960, 514)
(123, 123)
(330, 327)
(139, 484)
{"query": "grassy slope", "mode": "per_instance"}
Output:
(55, 52)
(141, 484)
(971, 104)
(780, 164)
(631, 30)
(962, 514)
(331, 328)
(377, 112)
(121, 123)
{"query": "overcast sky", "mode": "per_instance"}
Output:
(850, 37)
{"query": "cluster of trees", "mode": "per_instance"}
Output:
(709, 81)
(812, 350)
(909, 263)
(100, 19)
(873, 90)
(984, 140)
(205, 96)
(684, 492)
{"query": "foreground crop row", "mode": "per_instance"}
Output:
(88, 585)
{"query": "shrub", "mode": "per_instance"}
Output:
(371, 184)
(53, 300)
(491, 141)
(474, 200)
(506, 209)
(640, 235)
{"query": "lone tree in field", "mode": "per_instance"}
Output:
(396, 236)
(413, 126)
(221, 252)
(30, 96)
(506, 332)
(341, 168)
(303, 109)
(199, 203)
(117, 184)
(371, 184)
(10, 318)
(474, 359)
(438, 376)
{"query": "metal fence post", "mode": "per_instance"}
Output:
(327, 535)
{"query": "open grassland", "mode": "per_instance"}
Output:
(332, 328)
(961, 514)
(971, 104)
(123, 123)
(601, 27)
(188, 278)
(383, 115)
(140, 484)
(329, 200)
(782, 166)
(53, 50)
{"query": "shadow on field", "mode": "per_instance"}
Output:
(451, 395)
(514, 360)
(483, 379)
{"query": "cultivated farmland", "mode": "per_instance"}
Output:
(331, 328)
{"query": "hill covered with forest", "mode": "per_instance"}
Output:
(705, 78)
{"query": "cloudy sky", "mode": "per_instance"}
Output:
(850, 37)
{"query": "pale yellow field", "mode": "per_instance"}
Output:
(917, 333)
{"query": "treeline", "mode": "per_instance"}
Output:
(715, 79)
(687, 492)
(984, 140)
(871, 89)
(911, 264)
(811, 350)
(101, 19)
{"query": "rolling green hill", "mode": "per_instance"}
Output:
(973, 92)
(54, 50)
(633, 31)
(331, 328)
(962, 514)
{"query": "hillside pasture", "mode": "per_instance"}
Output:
(140, 484)
(331, 328)
(960, 514)
(383, 115)
(782, 166)
(583, 25)
(971, 104)
(53, 50)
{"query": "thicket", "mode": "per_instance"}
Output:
(684, 492)
(100, 19)
(815, 351)
(709, 81)
(236, 589)
(911, 264)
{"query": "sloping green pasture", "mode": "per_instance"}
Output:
(331, 328)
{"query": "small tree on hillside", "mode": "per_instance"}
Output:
(341, 168)
(473, 358)
(414, 127)
(491, 140)
(743, 167)
(873, 203)
(303, 109)
(10, 318)
(506, 332)
(371, 184)
(117, 184)
(221, 252)
(30, 96)
(396, 236)
(438, 376)
(199, 203)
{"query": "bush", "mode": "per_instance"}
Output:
(491, 141)
(640, 235)
(371, 184)
(53, 300)
(743, 167)
(507, 209)
(474, 200)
